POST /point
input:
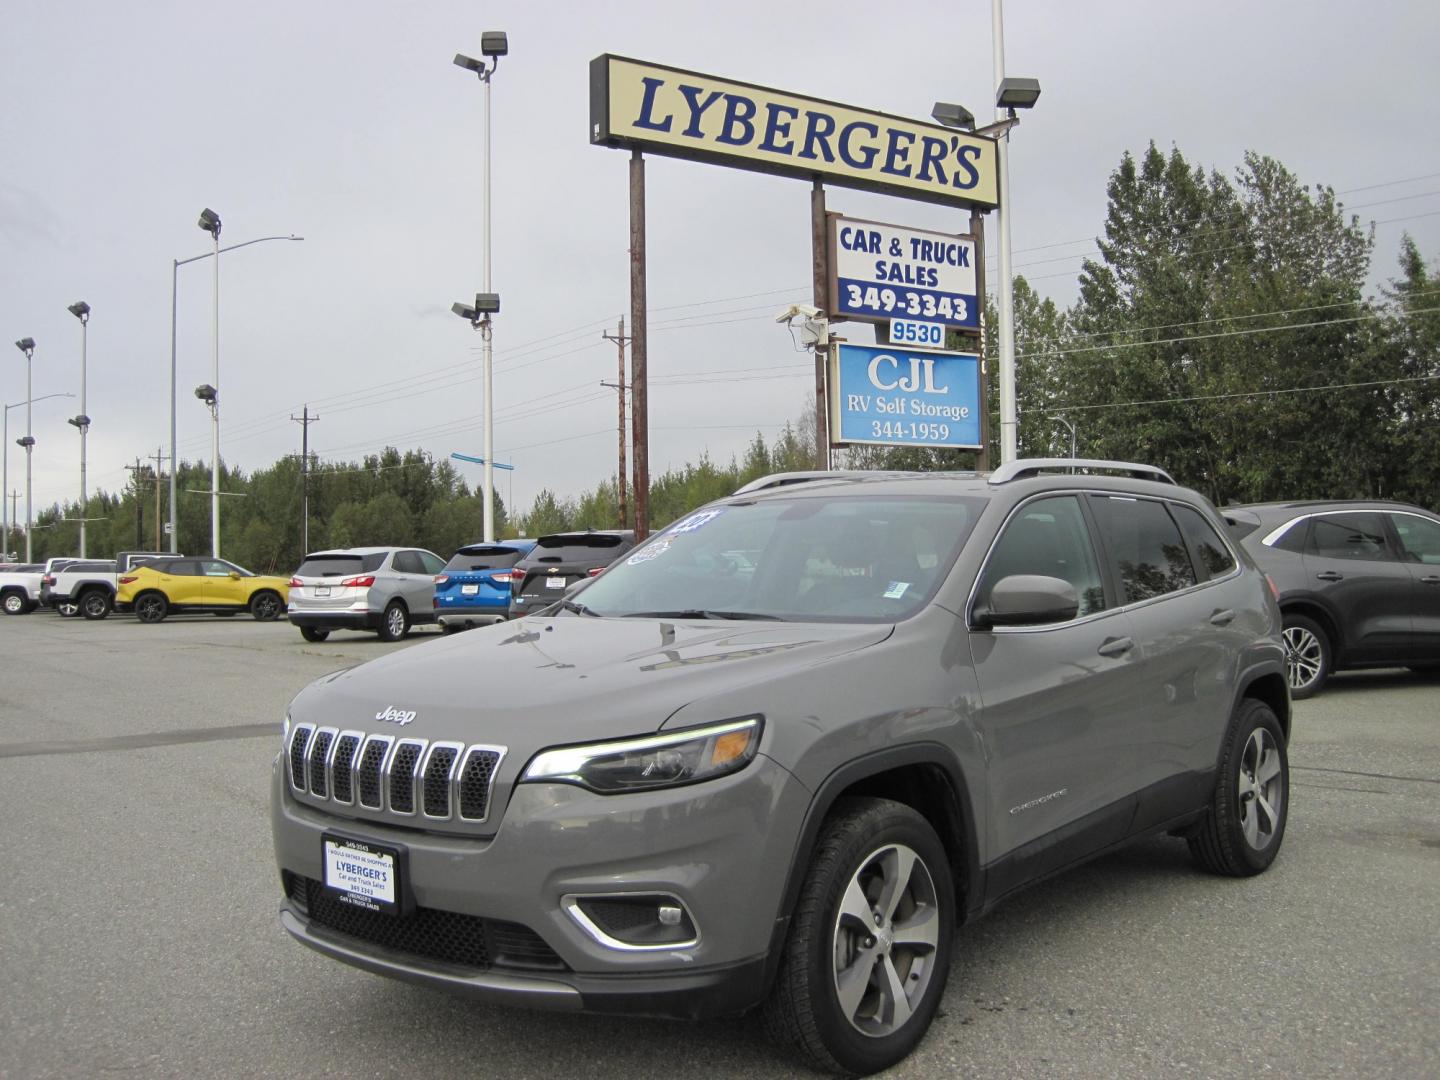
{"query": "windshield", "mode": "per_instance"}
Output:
(484, 557)
(851, 558)
(332, 564)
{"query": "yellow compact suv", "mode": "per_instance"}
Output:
(211, 586)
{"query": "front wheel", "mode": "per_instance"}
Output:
(313, 633)
(151, 607)
(1307, 656)
(266, 606)
(395, 623)
(95, 604)
(67, 609)
(1241, 832)
(865, 964)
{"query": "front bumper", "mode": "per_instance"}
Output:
(722, 849)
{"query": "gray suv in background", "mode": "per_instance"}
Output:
(384, 589)
(779, 752)
(1358, 582)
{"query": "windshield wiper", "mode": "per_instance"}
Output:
(577, 607)
(703, 613)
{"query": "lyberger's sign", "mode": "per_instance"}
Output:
(664, 110)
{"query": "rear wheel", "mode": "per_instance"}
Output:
(15, 602)
(395, 623)
(67, 609)
(313, 633)
(865, 964)
(95, 604)
(1307, 656)
(1241, 832)
(266, 606)
(151, 607)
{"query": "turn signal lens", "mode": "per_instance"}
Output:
(441, 579)
(597, 571)
(296, 583)
(363, 582)
(659, 761)
(126, 580)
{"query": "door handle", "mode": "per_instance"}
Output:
(1433, 579)
(1222, 618)
(1115, 646)
(1330, 575)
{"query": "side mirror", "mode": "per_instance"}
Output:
(234, 575)
(1027, 600)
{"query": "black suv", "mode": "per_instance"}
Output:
(1358, 582)
(558, 561)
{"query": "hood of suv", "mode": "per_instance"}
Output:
(544, 681)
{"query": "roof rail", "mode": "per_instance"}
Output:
(784, 479)
(1025, 468)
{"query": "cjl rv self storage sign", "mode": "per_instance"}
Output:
(884, 272)
(899, 397)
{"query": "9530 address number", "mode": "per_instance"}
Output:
(890, 301)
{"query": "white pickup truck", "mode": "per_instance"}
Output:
(20, 589)
(88, 588)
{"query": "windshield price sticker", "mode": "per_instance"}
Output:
(364, 874)
(921, 335)
(884, 270)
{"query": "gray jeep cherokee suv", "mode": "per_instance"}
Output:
(779, 752)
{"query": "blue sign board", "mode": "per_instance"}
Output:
(903, 397)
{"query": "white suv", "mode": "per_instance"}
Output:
(385, 589)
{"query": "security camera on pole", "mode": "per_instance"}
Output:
(493, 45)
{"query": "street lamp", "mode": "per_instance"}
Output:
(27, 346)
(5, 523)
(81, 310)
(210, 222)
(1010, 94)
(493, 45)
(1070, 426)
(175, 265)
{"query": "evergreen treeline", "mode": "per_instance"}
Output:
(1223, 333)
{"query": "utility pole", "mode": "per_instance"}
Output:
(136, 472)
(621, 341)
(158, 457)
(305, 420)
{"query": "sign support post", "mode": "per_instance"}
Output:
(639, 416)
(820, 270)
(977, 230)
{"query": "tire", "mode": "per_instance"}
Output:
(15, 603)
(266, 606)
(151, 607)
(67, 609)
(1244, 826)
(846, 957)
(1307, 656)
(95, 604)
(313, 633)
(395, 623)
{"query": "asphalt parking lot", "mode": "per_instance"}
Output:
(138, 929)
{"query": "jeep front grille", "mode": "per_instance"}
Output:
(412, 778)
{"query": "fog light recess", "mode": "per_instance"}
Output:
(634, 921)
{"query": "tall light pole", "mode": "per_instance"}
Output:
(174, 282)
(5, 523)
(1011, 94)
(493, 44)
(210, 222)
(27, 346)
(81, 310)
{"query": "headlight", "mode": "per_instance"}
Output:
(659, 761)
(285, 730)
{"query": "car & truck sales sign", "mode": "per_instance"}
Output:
(884, 272)
(665, 110)
(902, 397)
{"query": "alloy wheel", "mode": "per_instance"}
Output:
(1262, 789)
(1304, 657)
(886, 933)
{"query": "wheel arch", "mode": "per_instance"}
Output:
(1271, 688)
(1326, 620)
(924, 776)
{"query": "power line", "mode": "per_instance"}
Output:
(1059, 406)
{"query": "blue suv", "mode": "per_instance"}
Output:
(474, 587)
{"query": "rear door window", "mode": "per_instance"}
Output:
(1419, 537)
(1145, 546)
(1349, 536)
(408, 562)
(1212, 551)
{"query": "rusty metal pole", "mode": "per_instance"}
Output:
(620, 387)
(977, 230)
(820, 268)
(639, 416)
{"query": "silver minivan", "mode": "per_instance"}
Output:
(384, 589)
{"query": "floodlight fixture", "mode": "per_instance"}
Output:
(470, 64)
(210, 222)
(465, 311)
(494, 43)
(26, 345)
(1017, 93)
(82, 421)
(953, 116)
(80, 309)
(207, 393)
(487, 303)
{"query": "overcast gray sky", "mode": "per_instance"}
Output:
(347, 123)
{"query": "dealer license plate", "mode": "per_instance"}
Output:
(322, 590)
(555, 583)
(363, 874)
(469, 590)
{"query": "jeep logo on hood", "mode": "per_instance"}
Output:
(395, 716)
